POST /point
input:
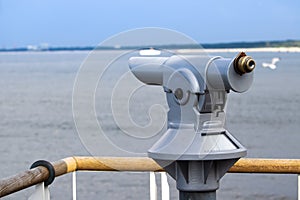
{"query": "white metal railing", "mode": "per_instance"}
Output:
(41, 174)
(74, 187)
(165, 190)
(42, 192)
(298, 186)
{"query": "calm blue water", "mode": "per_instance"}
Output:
(37, 123)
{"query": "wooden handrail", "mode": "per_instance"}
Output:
(40, 174)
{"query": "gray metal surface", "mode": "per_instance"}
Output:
(196, 150)
(197, 195)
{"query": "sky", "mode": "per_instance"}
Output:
(88, 22)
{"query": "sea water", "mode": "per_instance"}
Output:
(37, 123)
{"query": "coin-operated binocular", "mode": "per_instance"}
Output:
(196, 150)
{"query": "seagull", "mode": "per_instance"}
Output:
(272, 64)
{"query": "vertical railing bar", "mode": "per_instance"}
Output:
(74, 186)
(153, 187)
(298, 186)
(47, 193)
(41, 192)
(165, 190)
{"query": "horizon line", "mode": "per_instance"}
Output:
(220, 45)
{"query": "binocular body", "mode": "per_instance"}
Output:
(218, 72)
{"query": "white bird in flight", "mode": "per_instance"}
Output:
(272, 64)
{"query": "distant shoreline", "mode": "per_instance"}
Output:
(184, 51)
(269, 49)
(262, 46)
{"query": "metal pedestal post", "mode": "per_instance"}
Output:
(183, 195)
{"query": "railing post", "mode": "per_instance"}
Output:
(74, 185)
(153, 187)
(165, 190)
(41, 192)
(298, 186)
(197, 195)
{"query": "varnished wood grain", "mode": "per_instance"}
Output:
(23, 180)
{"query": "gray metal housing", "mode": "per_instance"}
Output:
(196, 150)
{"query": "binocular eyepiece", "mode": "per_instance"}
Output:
(243, 64)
